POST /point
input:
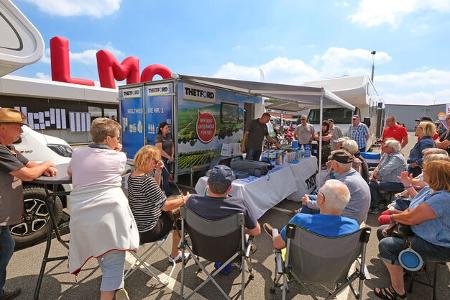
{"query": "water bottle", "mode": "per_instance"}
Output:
(307, 150)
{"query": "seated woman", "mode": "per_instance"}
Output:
(101, 222)
(150, 207)
(359, 163)
(385, 177)
(429, 219)
(424, 133)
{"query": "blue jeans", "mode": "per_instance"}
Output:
(377, 187)
(390, 247)
(253, 154)
(6, 251)
(112, 265)
(165, 177)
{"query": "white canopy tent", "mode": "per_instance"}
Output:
(287, 97)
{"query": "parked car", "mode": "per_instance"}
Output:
(39, 147)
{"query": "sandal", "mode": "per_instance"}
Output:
(389, 294)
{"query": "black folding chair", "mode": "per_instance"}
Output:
(219, 240)
(312, 258)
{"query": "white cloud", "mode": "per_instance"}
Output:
(371, 13)
(44, 76)
(86, 57)
(65, 8)
(422, 86)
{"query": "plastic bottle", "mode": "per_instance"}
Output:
(307, 151)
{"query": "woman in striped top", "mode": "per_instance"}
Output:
(151, 209)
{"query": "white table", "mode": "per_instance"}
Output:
(262, 193)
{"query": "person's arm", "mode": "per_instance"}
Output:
(244, 141)
(415, 216)
(163, 153)
(405, 139)
(171, 205)
(173, 152)
(31, 173)
(51, 171)
(313, 132)
(326, 138)
(366, 129)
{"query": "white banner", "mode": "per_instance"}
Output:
(131, 92)
(199, 93)
(157, 89)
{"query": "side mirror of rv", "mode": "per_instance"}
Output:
(367, 121)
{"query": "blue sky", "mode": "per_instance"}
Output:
(291, 41)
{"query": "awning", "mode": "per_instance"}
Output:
(282, 97)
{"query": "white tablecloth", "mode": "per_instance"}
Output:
(304, 173)
(262, 193)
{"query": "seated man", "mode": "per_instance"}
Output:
(340, 165)
(217, 204)
(385, 177)
(332, 198)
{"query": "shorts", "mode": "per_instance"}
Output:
(112, 265)
(163, 227)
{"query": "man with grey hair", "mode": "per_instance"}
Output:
(332, 199)
(340, 165)
(386, 176)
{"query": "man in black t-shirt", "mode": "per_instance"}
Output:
(14, 168)
(218, 205)
(254, 134)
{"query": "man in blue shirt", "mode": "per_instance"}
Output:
(332, 198)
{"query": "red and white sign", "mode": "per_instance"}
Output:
(206, 127)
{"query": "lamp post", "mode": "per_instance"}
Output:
(373, 63)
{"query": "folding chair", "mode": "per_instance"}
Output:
(220, 240)
(144, 258)
(312, 258)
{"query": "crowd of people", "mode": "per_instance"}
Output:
(105, 223)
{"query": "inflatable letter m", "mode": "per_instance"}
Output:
(109, 69)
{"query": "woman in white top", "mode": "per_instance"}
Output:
(101, 222)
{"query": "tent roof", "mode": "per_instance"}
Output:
(285, 97)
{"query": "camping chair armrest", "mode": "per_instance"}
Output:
(279, 261)
(248, 249)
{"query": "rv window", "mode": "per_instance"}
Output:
(229, 113)
(339, 115)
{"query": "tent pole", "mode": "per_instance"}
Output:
(320, 134)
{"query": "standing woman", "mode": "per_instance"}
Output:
(326, 141)
(424, 133)
(101, 221)
(165, 144)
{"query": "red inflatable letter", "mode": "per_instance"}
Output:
(60, 64)
(110, 69)
(149, 72)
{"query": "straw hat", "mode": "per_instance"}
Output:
(9, 115)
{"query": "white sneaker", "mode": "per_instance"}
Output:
(121, 294)
(177, 258)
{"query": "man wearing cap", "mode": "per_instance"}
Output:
(255, 131)
(359, 132)
(14, 168)
(340, 165)
(216, 204)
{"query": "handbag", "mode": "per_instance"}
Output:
(399, 230)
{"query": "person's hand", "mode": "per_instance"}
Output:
(445, 144)
(51, 171)
(242, 148)
(159, 165)
(119, 147)
(384, 232)
(413, 165)
(186, 197)
(305, 199)
(171, 159)
(405, 178)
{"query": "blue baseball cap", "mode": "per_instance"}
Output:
(220, 176)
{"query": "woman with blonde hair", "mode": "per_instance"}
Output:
(101, 222)
(424, 133)
(149, 204)
(429, 218)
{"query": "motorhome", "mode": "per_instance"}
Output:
(358, 91)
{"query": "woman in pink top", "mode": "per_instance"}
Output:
(101, 222)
